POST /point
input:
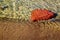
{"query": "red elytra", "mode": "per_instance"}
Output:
(41, 14)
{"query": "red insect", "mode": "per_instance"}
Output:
(41, 14)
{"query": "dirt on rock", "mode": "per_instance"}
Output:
(26, 30)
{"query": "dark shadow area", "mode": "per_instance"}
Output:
(58, 20)
(4, 7)
(55, 14)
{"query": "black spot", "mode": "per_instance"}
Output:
(4, 7)
(55, 14)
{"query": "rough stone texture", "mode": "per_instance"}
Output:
(26, 6)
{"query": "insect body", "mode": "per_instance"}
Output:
(42, 14)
